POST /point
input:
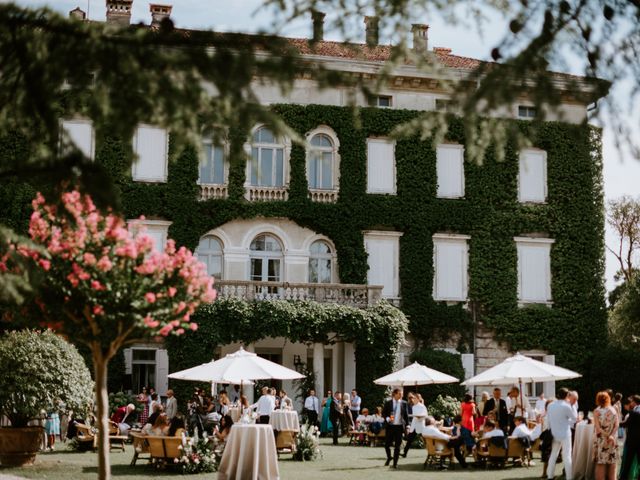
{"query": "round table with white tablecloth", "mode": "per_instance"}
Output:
(284, 420)
(583, 466)
(250, 454)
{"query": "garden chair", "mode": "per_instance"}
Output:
(286, 442)
(86, 436)
(437, 449)
(375, 438)
(488, 453)
(140, 447)
(163, 450)
(518, 452)
(115, 439)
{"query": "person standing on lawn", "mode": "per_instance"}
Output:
(396, 415)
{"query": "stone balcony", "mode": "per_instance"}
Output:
(343, 294)
(210, 190)
(323, 196)
(266, 194)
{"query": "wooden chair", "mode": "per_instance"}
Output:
(437, 449)
(86, 437)
(286, 442)
(115, 439)
(488, 453)
(140, 447)
(374, 438)
(518, 452)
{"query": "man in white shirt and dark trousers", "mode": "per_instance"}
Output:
(356, 401)
(396, 415)
(561, 416)
(312, 407)
(264, 406)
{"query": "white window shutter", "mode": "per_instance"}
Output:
(162, 372)
(532, 179)
(450, 268)
(450, 171)
(549, 388)
(159, 237)
(128, 360)
(381, 168)
(151, 147)
(81, 134)
(534, 271)
(383, 254)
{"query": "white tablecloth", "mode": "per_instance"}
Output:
(284, 420)
(250, 454)
(583, 466)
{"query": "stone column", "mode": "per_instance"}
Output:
(318, 369)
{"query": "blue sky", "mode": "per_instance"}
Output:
(621, 170)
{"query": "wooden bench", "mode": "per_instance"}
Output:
(140, 447)
(163, 450)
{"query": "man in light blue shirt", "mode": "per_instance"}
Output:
(356, 402)
(561, 417)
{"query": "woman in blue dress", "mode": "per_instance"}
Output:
(326, 427)
(52, 428)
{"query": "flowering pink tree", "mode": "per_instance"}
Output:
(107, 288)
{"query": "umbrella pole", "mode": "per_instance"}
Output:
(521, 400)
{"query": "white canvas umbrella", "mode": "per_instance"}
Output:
(238, 368)
(415, 374)
(518, 370)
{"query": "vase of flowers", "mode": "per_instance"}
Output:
(307, 443)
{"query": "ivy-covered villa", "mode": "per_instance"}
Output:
(306, 240)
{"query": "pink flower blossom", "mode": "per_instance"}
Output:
(104, 264)
(89, 259)
(164, 331)
(193, 326)
(150, 322)
(96, 285)
(98, 310)
(180, 331)
(45, 264)
(150, 297)
(172, 291)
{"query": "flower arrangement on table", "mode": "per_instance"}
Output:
(307, 443)
(198, 454)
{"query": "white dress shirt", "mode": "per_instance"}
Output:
(496, 432)
(312, 403)
(522, 431)
(397, 412)
(265, 405)
(432, 431)
(540, 403)
(561, 417)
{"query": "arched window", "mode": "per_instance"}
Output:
(321, 162)
(266, 258)
(267, 159)
(209, 252)
(212, 161)
(320, 262)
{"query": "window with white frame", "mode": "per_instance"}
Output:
(381, 166)
(212, 163)
(151, 146)
(450, 265)
(156, 229)
(80, 133)
(383, 250)
(527, 111)
(320, 262)
(321, 157)
(143, 368)
(532, 176)
(267, 166)
(266, 259)
(382, 101)
(450, 170)
(534, 269)
(209, 252)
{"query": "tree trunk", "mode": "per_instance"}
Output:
(102, 399)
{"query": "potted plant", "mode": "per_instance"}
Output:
(40, 371)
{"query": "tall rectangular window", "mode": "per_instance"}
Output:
(450, 265)
(450, 171)
(211, 163)
(534, 269)
(532, 176)
(156, 229)
(383, 249)
(381, 166)
(150, 145)
(80, 133)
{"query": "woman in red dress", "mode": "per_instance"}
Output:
(467, 412)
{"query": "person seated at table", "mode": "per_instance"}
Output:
(364, 418)
(122, 417)
(157, 410)
(377, 421)
(160, 427)
(176, 425)
(489, 430)
(431, 430)
(222, 433)
(523, 433)
(459, 431)
(223, 403)
(285, 401)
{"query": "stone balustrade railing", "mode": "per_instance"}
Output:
(344, 294)
(209, 190)
(323, 196)
(266, 194)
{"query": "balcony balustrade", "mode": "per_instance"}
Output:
(343, 294)
(209, 190)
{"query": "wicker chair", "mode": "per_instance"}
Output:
(437, 449)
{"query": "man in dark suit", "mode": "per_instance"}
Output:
(632, 443)
(335, 415)
(396, 415)
(499, 406)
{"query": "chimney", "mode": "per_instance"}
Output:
(119, 11)
(318, 25)
(159, 13)
(78, 14)
(420, 38)
(371, 28)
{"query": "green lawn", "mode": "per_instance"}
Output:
(339, 462)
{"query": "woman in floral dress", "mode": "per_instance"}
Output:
(605, 419)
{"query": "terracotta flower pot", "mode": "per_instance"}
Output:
(19, 446)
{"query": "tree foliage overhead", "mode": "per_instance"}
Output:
(623, 216)
(624, 320)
